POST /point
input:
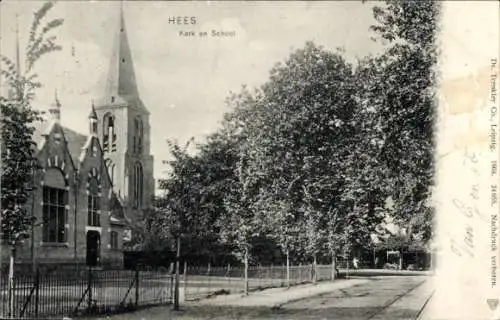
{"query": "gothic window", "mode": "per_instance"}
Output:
(138, 186)
(109, 133)
(55, 200)
(94, 218)
(140, 138)
(93, 211)
(114, 239)
(138, 135)
(136, 126)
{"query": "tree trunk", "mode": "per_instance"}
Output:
(11, 281)
(177, 262)
(246, 271)
(401, 260)
(287, 269)
(184, 278)
(33, 254)
(334, 265)
(314, 269)
(347, 266)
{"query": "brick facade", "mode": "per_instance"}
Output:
(57, 165)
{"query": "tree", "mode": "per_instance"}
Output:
(18, 148)
(308, 132)
(278, 208)
(178, 207)
(242, 207)
(402, 91)
(307, 156)
(18, 158)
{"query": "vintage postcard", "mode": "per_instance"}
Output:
(250, 160)
(466, 160)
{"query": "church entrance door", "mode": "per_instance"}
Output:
(93, 247)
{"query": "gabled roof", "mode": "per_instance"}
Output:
(41, 128)
(75, 142)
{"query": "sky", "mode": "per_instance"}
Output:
(183, 81)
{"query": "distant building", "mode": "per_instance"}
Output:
(92, 189)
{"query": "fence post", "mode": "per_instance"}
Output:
(89, 290)
(37, 291)
(136, 287)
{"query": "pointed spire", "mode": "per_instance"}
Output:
(55, 108)
(93, 114)
(121, 84)
(121, 9)
(93, 121)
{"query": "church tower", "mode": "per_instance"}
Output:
(124, 132)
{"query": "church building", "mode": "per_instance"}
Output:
(90, 190)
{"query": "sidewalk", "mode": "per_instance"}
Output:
(257, 305)
(409, 306)
(276, 297)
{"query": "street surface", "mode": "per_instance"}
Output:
(367, 298)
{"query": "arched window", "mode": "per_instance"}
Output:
(136, 126)
(55, 200)
(94, 217)
(138, 191)
(114, 240)
(109, 133)
(138, 135)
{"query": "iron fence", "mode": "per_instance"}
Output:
(89, 292)
(202, 281)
